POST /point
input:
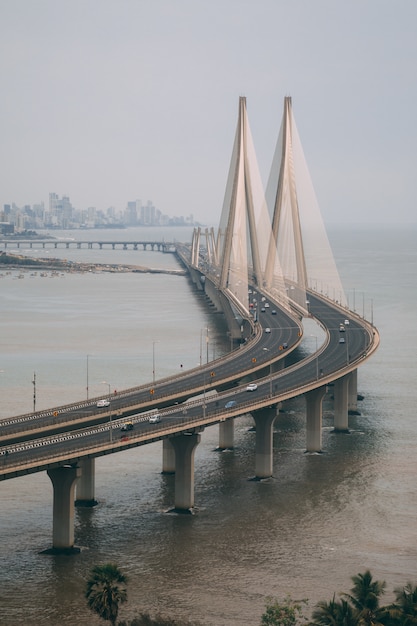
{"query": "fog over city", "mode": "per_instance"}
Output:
(108, 102)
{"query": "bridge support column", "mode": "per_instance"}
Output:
(264, 420)
(63, 482)
(341, 389)
(85, 488)
(168, 457)
(184, 447)
(227, 434)
(353, 393)
(314, 402)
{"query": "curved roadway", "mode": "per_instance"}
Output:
(333, 360)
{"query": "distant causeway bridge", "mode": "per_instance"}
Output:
(157, 246)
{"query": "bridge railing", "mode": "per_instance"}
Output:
(8, 468)
(55, 412)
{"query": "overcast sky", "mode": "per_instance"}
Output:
(115, 100)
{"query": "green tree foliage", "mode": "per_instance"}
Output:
(334, 613)
(361, 607)
(285, 613)
(106, 590)
(403, 612)
(364, 598)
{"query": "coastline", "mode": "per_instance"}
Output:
(20, 262)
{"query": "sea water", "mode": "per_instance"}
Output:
(318, 521)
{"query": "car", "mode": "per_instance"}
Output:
(230, 404)
(346, 322)
(101, 403)
(342, 328)
(342, 340)
(154, 419)
(284, 345)
(263, 309)
(273, 312)
(267, 330)
(267, 305)
(127, 426)
(252, 387)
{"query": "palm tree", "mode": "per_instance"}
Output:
(103, 592)
(333, 613)
(404, 610)
(364, 598)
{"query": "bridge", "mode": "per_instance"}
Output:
(268, 266)
(156, 246)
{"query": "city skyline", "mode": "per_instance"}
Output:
(60, 213)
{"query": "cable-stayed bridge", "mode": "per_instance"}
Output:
(274, 239)
(268, 265)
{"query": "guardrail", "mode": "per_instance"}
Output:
(181, 425)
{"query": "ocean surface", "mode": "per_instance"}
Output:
(320, 520)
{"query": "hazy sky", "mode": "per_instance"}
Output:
(113, 100)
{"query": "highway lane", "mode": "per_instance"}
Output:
(222, 373)
(312, 371)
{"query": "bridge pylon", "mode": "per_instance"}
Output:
(239, 253)
(298, 234)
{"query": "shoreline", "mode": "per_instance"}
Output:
(19, 262)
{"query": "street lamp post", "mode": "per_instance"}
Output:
(153, 361)
(204, 395)
(87, 375)
(317, 357)
(34, 391)
(201, 345)
(270, 374)
(207, 344)
(347, 345)
(104, 382)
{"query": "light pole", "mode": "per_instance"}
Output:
(34, 391)
(153, 361)
(104, 382)
(204, 395)
(87, 376)
(347, 345)
(270, 374)
(317, 357)
(207, 344)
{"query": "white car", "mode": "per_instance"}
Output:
(252, 387)
(267, 330)
(101, 403)
(154, 419)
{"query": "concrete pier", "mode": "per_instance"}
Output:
(314, 419)
(63, 482)
(85, 487)
(168, 457)
(341, 391)
(264, 420)
(353, 393)
(227, 434)
(184, 446)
